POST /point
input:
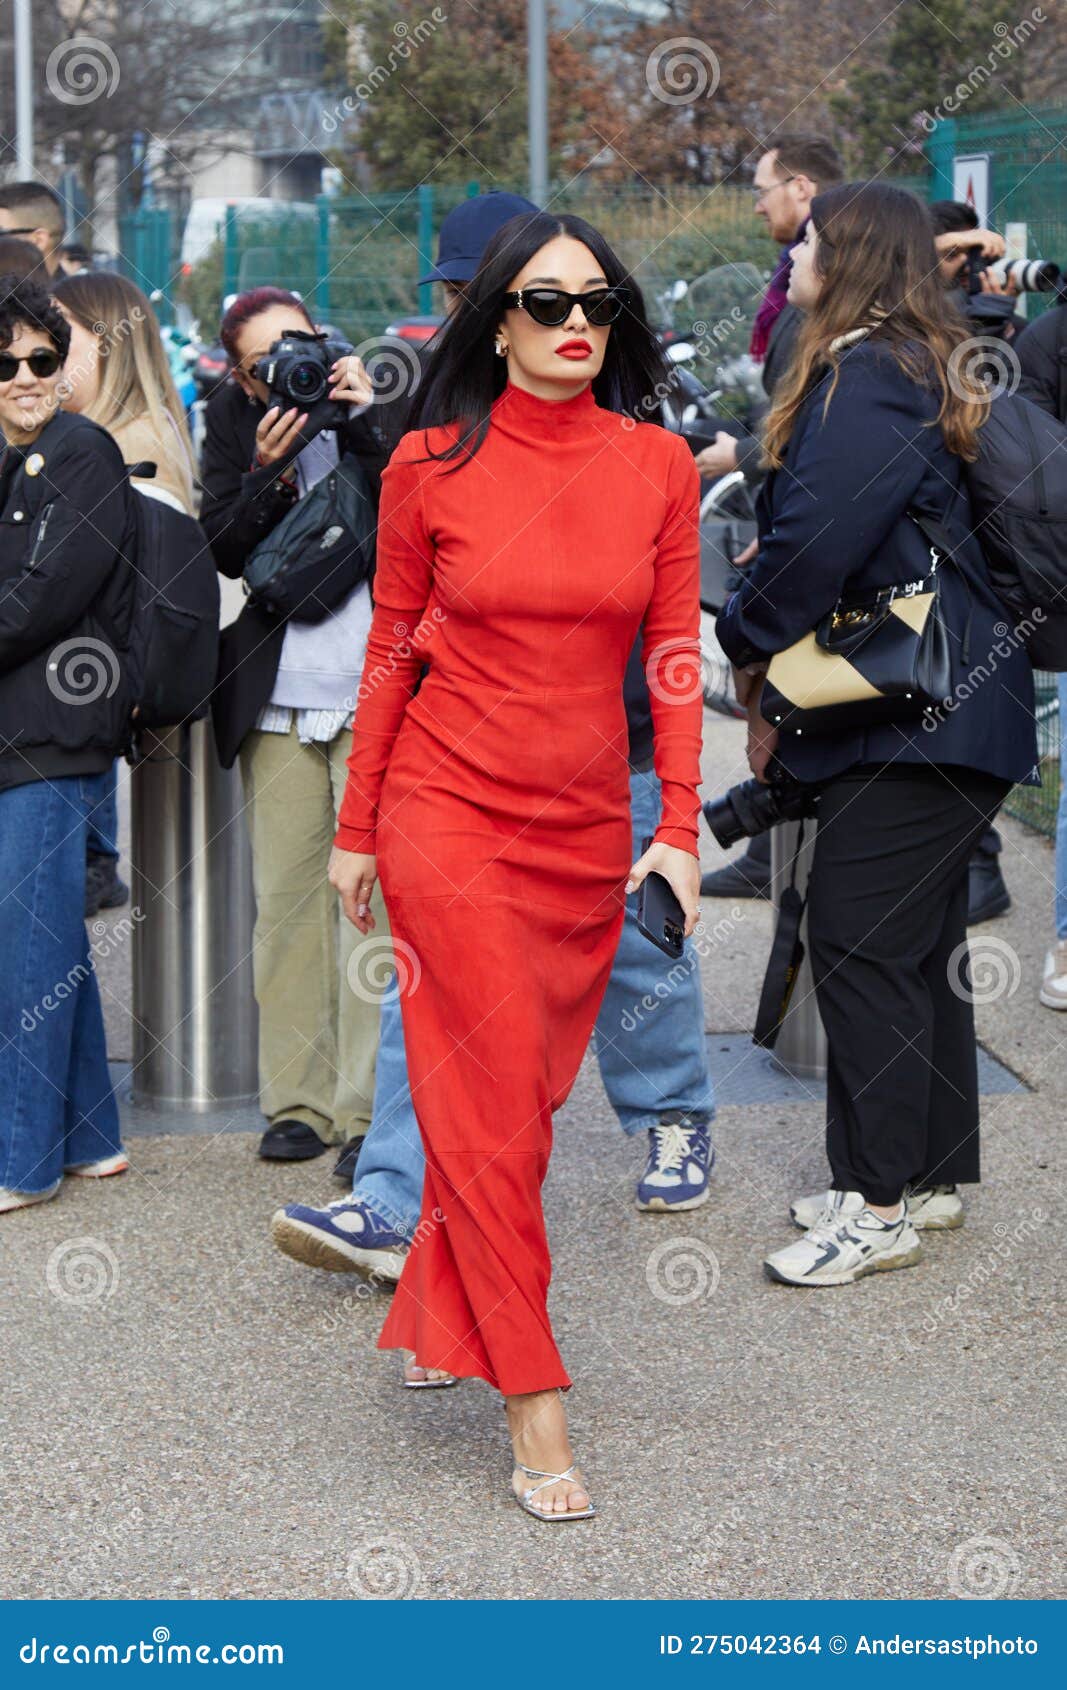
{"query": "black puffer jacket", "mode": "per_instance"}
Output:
(66, 599)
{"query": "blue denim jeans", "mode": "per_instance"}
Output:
(56, 1102)
(102, 840)
(1060, 900)
(649, 1041)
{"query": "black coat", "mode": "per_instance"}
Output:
(66, 600)
(834, 518)
(1042, 353)
(781, 344)
(240, 507)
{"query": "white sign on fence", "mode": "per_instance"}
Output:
(970, 183)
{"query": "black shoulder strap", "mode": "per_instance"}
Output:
(1061, 365)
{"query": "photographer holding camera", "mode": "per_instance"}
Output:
(285, 701)
(866, 442)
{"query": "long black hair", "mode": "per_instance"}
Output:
(464, 374)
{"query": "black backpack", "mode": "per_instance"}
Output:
(174, 632)
(1018, 489)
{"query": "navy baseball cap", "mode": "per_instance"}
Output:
(465, 233)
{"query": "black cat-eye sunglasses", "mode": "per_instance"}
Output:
(552, 306)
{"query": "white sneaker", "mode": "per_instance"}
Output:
(839, 1249)
(935, 1209)
(101, 1169)
(23, 1199)
(1053, 992)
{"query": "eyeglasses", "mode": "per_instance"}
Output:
(42, 361)
(761, 193)
(552, 306)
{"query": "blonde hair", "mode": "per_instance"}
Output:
(135, 379)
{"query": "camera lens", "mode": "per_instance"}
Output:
(306, 381)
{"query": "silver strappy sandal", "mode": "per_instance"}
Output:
(525, 1501)
(442, 1384)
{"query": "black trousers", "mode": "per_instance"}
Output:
(887, 930)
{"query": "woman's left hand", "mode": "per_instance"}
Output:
(352, 384)
(680, 870)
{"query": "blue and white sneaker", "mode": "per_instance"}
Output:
(344, 1237)
(680, 1158)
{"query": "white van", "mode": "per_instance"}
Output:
(204, 224)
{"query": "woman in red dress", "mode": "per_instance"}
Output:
(527, 529)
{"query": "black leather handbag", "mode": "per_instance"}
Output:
(881, 658)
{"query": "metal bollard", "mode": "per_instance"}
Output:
(800, 1048)
(194, 1013)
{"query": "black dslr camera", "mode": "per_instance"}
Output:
(753, 806)
(297, 372)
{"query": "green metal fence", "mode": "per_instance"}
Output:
(357, 259)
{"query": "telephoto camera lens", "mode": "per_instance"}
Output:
(1028, 275)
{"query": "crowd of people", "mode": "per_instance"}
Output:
(467, 743)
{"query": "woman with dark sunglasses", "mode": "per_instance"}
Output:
(532, 520)
(65, 607)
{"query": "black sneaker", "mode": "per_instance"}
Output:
(987, 895)
(291, 1141)
(344, 1168)
(748, 877)
(103, 888)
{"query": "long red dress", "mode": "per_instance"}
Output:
(497, 801)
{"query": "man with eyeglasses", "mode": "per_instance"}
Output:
(35, 213)
(788, 176)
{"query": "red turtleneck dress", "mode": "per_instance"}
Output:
(496, 799)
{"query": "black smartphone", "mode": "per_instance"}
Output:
(660, 917)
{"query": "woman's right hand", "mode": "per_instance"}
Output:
(353, 874)
(277, 433)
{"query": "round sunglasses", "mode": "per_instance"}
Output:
(42, 361)
(552, 306)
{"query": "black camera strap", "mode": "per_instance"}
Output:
(784, 963)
